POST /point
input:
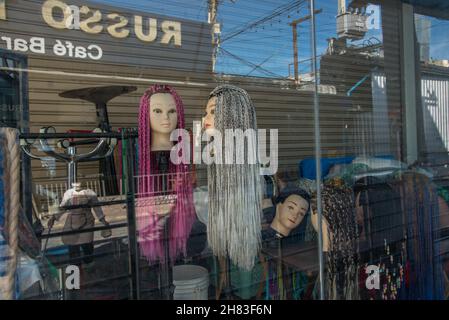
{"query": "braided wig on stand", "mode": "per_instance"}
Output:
(183, 214)
(235, 192)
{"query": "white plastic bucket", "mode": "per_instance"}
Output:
(191, 282)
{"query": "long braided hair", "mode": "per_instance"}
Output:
(234, 224)
(338, 210)
(183, 214)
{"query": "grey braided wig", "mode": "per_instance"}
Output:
(235, 192)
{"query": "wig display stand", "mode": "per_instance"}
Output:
(166, 275)
(224, 285)
(273, 278)
(103, 148)
(279, 268)
(228, 285)
(166, 270)
(128, 163)
(100, 96)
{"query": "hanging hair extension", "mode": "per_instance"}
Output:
(183, 214)
(234, 225)
(338, 210)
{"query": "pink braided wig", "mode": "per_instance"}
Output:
(183, 214)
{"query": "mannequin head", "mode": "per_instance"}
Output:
(292, 206)
(235, 193)
(163, 115)
(209, 115)
(161, 111)
(229, 107)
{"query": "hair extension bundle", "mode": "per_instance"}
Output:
(342, 262)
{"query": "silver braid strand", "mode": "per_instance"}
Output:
(234, 225)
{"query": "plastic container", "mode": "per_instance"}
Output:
(191, 282)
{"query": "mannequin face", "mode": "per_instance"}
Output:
(163, 115)
(290, 213)
(209, 116)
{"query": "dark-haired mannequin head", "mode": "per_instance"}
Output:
(292, 206)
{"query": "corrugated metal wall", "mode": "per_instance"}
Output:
(435, 104)
(376, 122)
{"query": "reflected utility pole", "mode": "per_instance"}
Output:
(215, 29)
(294, 25)
(316, 116)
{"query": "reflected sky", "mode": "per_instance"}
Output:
(256, 35)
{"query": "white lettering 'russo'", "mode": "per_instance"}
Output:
(60, 15)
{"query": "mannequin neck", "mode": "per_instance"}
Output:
(278, 227)
(160, 141)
